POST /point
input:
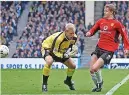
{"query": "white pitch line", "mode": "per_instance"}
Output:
(110, 92)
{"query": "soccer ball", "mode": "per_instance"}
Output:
(4, 51)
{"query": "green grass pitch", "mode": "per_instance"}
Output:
(29, 82)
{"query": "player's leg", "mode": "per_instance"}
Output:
(97, 72)
(94, 58)
(70, 71)
(46, 70)
(104, 59)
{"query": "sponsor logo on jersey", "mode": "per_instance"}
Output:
(105, 28)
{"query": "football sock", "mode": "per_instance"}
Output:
(70, 73)
(94, 78)
(45, 79)
(68, 78)
(98, 76)
(46, 71)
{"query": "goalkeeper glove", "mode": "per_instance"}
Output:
(71, 53)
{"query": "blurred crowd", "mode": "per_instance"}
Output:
(10, 13)
(46, 18)
(122, 14)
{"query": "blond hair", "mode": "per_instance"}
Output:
(70, 26)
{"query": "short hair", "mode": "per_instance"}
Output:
(112, 7)
(70, 26)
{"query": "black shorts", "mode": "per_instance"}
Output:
(104, 54)
(55, 58)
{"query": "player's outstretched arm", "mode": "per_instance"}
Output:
(94, 29)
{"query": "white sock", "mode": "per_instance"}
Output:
(98, 76)
(94, 78)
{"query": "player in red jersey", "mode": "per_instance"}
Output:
(110, 29)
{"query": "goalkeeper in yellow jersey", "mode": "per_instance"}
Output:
(60, 47)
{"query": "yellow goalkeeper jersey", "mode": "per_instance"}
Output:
(58, 44)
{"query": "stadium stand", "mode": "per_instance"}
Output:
(10, 13)
(46, 18)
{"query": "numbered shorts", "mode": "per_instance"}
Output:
(104, 54)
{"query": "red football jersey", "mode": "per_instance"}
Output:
(110, 29)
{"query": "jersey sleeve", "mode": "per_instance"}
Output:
(47, 43)
(52, 44)
(95, 28)
(124, 35)
(56, 49)
(56, 45)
